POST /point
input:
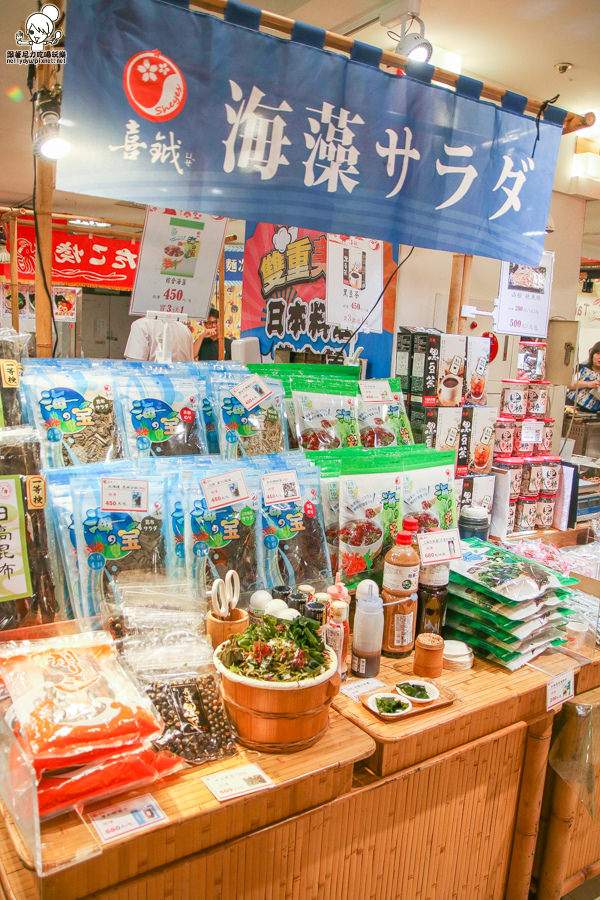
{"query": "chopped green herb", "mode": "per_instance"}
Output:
(414, 690)
(390, 705)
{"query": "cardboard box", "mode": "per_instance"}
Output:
(476, 441)
(438, 428)
(476, 490)
(476, 372)
(438, 369)
(404, 351)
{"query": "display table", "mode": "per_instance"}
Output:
(577, 535)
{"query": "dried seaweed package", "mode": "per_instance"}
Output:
(371, 510)
(382, 417)
(63, 526)
(221, 525)
(159, 416)
(27, 592)
(251, 417)
(74, 411)
(12, 348)
(120, 529)
(429, 489)
(293, 534)
(326, 413)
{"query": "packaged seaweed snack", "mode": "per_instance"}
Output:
(371, 512)
(382, 418)
(503, 575)
(72, 701)
(429, 490)
(27, 589)
(219, 519)
(251, 417)
(63, 527)
(74, 412)
(12, 348)
(160, 416)
(294, 543)
(120, 528)
(326, 413)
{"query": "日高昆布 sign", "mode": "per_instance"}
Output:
(231, 121)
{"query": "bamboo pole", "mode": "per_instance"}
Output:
(14, 274)
(465, 292)
(333, 41)
(456, 290)
(530, 804)
(44, 194)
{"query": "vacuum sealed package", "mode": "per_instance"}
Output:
(74, 411)
(13, 346)
(72, 701)
(250, 416)
(429, 490)
(293, 533)
(220, 521)
(160, 416)
(120, 530)
(326, 414)
(503, 575)
(382, 418)
(27, 588)
(63, 527)
(371, 512)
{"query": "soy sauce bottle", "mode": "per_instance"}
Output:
(433, 595)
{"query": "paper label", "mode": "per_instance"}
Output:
(280, 487)
(112, 823)
(251, 391)
(236, 782)
(375, 391)
(9, 373)
(36, 491)
(532, 432)
(125, 495)
(15, 578)
(224, 489)
(560, 689)
(403, 629)
(439, 546)
(400, 578)
(354, 689)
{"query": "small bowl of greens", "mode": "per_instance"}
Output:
(417, 691)
(389, 706)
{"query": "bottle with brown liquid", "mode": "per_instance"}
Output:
(399, 593)
(433, 594)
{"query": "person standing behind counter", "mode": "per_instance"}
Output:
(587, 383)
(207, 345)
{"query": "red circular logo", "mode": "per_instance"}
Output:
(309, 509)
(187, 414)
(154, 86)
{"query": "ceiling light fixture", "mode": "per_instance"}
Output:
(47, 142)
(412, 44)
(88, 223)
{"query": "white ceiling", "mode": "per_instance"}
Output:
(512, 44)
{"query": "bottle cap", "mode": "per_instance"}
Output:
(404, 538)
(364, 588)
(370, 601)
(338, 591)
(410, 524)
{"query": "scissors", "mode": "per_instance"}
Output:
(225, 594)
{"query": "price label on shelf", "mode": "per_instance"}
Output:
(280, 487)
(238, 781)
(112, 823)
(375, 391)
(225, 489)
(252, 391)
(439, 546)
(532, 432)
(560, 689)
(124, 495)
(354, 689)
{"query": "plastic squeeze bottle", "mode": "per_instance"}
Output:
(400, 583)
(367, 635)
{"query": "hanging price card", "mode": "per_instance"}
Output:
(439, 546)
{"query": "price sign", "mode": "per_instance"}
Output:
(225, 489)
(125, 495)
(113, 823)
(523, 305)
(280, 487)
(532, 432)
(375, 391)
(252, 391)
(236, 782)
(439, 546)
(560, 689)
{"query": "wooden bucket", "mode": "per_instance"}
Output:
(219, 629)
(276, 716)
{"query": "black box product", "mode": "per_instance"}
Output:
(438, 428)
(438, 369)
(476, 373)
(477, 490)
(476, 442)
(404, 350)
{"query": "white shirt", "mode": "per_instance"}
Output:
(143, 341)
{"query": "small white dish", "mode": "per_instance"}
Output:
(372, 704)
(430, 688)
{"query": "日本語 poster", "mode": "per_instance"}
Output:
(354, 282)
(179, 257)
(26, 300)
(234, 271)
(64, 303)
(285, 297)
(524, 298)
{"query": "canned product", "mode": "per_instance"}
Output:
(526, 513)
(532, 476)
(514, 467)
(531, 363)
(537, 398)
(551, 467)
(316, 610)
(545, 445)
(544, 511)
(512, 512)
(505, 435)
(523, 445)
(514, 397)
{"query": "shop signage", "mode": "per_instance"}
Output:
(64, 303)
(82, 260)
(285, 296)
(232, 121)
(354, 282)
(179, 257)
(523, 304)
